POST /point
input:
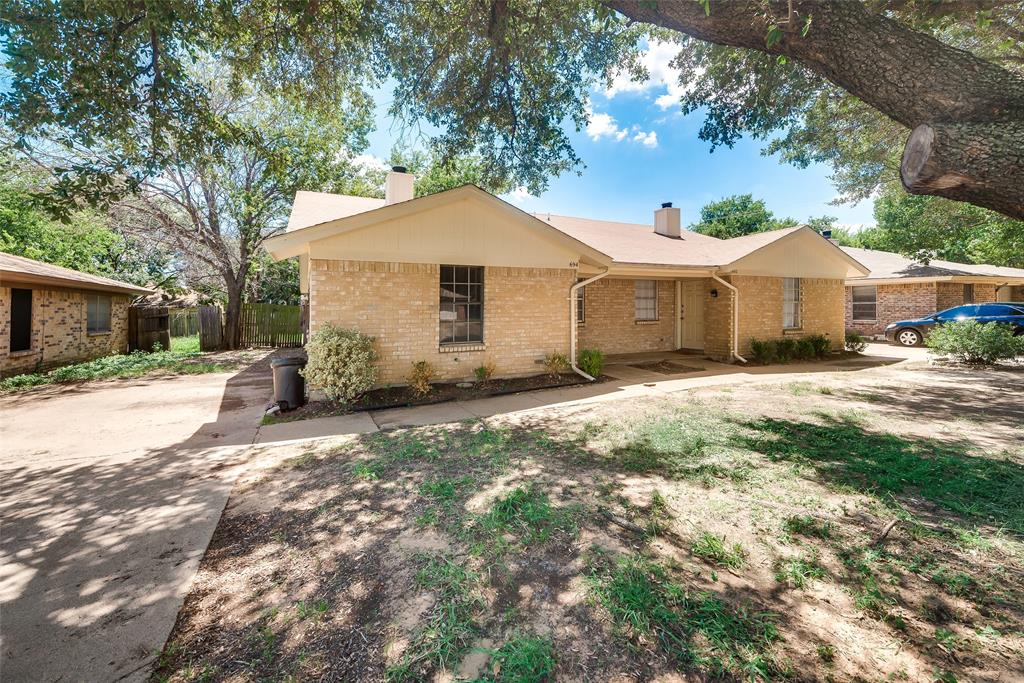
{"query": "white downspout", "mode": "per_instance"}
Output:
(572, 323)
(735, 317)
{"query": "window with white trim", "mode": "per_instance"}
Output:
(581, 303)
(461, 305)
(790, 303)
(865, 302)
(97, 313)
(645, 300)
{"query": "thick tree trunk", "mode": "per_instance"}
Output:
(967, 162)
(907, 75)
(233, 314)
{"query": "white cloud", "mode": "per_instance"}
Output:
(520, 193)
(649, 139)
(370, 161)
(602, 125)
(657, 60)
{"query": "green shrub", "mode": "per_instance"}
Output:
(763, 350)
(969, 341)
(591, 361)
(485, 371)
(556, 363)
(785, 350)
(341, 362)
(855, 342)
(820, 344)
(804, 349)
(420, 377)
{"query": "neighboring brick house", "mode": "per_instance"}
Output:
(460, 277)
(900, 288)
(52, 316)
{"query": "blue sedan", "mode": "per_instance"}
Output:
(912, 332)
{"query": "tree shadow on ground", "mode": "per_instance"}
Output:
(980, 395)
(97, 550)
(921, 473)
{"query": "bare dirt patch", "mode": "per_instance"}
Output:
(731, 532)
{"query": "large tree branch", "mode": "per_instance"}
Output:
(907, 75)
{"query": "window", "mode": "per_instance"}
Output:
(21, 320)
(97, 313)
(790, 303)
(462, 305)
(968, 294)
(581, 304)
(865, 302)
(645, 300)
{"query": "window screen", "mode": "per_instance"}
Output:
(462, 305)
(97, 313)
(790, 302)
(865, 302)
(21, 319)
(645, 300)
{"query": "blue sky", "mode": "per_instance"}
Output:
(640, 150)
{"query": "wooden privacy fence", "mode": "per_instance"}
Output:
(184, 322)
(211, 331)
(148, 325)
(271, 325)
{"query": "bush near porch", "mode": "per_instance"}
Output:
(972, 342)
(768, 351)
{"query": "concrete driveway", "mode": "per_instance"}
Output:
(111, 492)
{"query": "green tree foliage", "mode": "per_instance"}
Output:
(932, 227)
(85, 242)
(434, 173)
(741, 214)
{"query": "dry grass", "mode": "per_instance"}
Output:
(722, 533)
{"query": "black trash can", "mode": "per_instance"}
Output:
(289, 385)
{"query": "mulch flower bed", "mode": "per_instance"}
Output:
(402, 397)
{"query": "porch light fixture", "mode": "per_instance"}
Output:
(714, 293)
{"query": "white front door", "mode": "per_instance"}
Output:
(691, 314)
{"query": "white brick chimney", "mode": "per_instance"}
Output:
(399, 185)
(666, 221)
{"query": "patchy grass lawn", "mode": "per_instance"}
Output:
(180, 359)
(729, 533)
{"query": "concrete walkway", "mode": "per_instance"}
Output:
(630, 379)
(111, 492)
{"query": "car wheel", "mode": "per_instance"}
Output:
(908, 337)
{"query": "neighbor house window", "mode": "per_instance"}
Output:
(645, 300)
(97, 313)
(865, 302)
(581, 303)
(21, 319)
(462, 305)
(968, 294)
(790, 303)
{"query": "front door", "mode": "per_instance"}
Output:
(691, 314)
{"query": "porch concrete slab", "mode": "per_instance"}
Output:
(318, 428)
(627, 373)
(419, 416)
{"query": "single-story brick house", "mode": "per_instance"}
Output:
(53, 316)
(459, 277)
(900, 288)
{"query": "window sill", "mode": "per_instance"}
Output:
(865, 320)
(792, 330)
(18, 354)
(456, 348)
(647, 322)
(97, 334)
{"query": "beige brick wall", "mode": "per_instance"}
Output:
(610, 323)
(718, 314)
(526, 315)
(893, 302)
(59, 334)
(821, 309)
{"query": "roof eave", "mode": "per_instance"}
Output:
(17, 277)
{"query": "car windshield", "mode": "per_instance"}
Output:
(957, 312)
